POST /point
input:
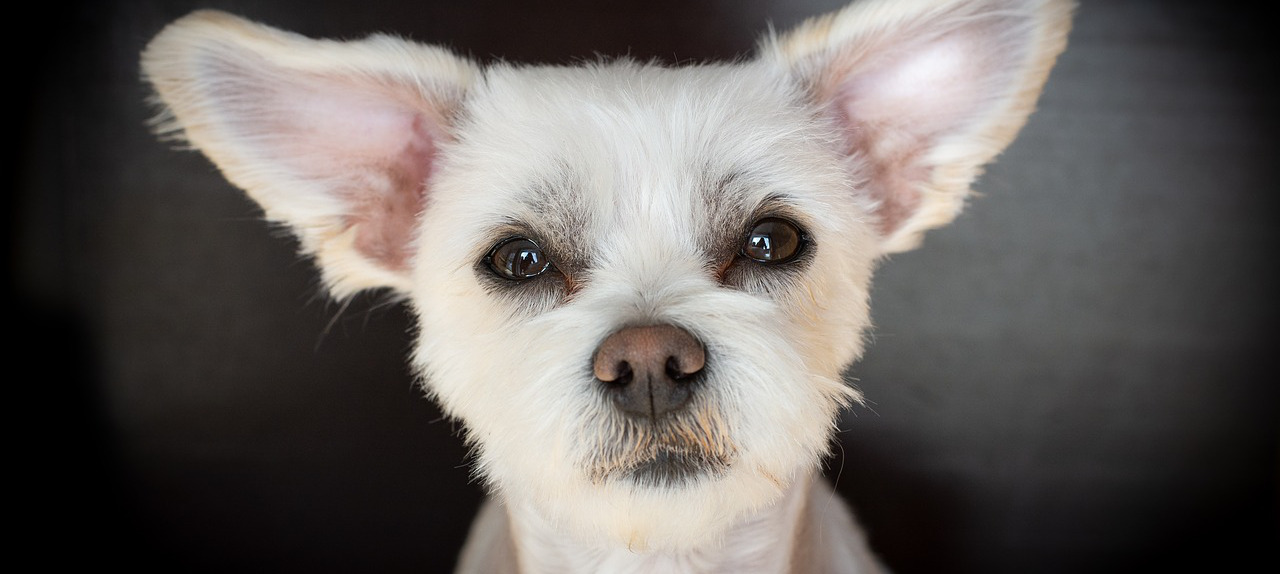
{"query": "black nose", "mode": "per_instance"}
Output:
(648, 370)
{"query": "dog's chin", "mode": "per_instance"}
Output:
(672, 469)
(669, 470)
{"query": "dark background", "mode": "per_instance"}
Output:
(1072, 377)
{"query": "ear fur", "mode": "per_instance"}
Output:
(923, 93)
(335, 139)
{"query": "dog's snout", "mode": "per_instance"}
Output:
(649, 370)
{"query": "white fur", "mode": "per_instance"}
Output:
(400, 165)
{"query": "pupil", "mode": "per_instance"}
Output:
(527, 263)
(761, 246)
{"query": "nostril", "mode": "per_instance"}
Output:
(617, 372)
(686, 361)
(622, 374)
(674, 370)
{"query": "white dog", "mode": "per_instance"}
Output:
(636, 286)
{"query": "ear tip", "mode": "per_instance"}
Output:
(175, 37)
(164, 61)
(207, 28)
(207, 20)
(197, 22)
(1056, 15)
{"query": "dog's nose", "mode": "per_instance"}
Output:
(648, 370)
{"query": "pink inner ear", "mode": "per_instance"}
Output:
(388, 218)
(890, 154)
(897, 103)
(364, 147)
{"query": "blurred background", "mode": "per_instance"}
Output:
(1072, 377)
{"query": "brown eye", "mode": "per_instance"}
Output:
(517, 258)
(773, 240)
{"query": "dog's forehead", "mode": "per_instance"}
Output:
(580, 154)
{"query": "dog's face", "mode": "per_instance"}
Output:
(636, 286)
(630, 195)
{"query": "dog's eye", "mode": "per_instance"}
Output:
(517, 258)
(773, 240)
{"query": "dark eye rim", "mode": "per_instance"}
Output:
(802, 241)
(501, 273)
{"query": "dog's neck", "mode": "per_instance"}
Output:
(763, 542)
(807, 530)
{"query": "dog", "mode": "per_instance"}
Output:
(636, 286)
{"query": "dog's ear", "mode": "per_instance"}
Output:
(923, 93)
(334, 139)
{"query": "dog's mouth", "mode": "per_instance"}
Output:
(665, 453)
(672, 468)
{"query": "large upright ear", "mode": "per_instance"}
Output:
(923, 93)
(337, 140)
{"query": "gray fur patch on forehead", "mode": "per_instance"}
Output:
(733, 202)
(556, 210)
(729, 202)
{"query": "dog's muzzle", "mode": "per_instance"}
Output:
(662, 431)
(649, 371)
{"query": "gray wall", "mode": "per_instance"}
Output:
(1072, 376)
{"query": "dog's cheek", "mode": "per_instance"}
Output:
(516, 381)
(830, 311)
(820, 324)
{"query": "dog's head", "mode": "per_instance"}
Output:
(637, 286)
